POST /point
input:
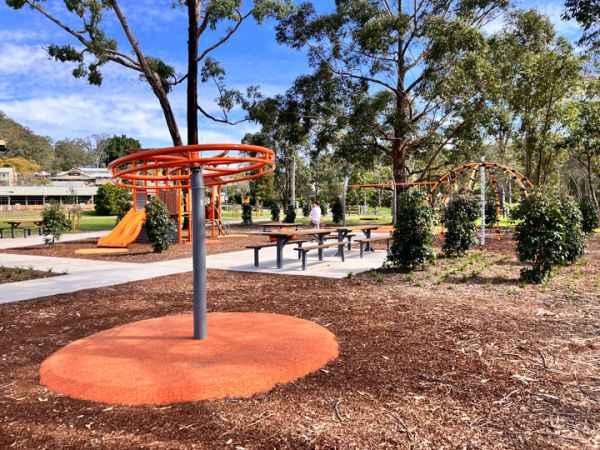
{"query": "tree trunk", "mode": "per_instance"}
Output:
(192, 80)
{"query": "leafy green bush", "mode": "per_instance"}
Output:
(306, 208)
(337, 211)
(324, 209)
(290, 214)
(412, 238)
(548, 235)
(111, 200)
(246, 214)
(275, 212)
(460, 229)
(54, 223)
(159, 225)
(589, 214)
(574, 235)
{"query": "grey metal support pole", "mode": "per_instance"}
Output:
(482, 170)
(199, 251)
(293, 182)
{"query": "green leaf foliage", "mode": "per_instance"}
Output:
(275, 212)
(54, 223)
(305, 208)
(412, 238)
(589, 215)
(548, 235)
(159, 225)
(246, 214)
(337, 211)
(290, 214)
(111, 200)
(460, 229)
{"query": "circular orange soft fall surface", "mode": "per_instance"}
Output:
(157, 362)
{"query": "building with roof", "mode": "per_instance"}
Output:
(8, 176)
(35, 197)
(79, 176)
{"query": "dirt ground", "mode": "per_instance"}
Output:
(458, 355)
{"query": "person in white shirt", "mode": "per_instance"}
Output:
(315, 214)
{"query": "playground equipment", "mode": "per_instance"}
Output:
(126, 231)
(451, 177)
(181, 174)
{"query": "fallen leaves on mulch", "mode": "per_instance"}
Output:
(427, 360)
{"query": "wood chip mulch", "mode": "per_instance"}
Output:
(458, 356)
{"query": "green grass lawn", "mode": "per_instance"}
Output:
(90, 221)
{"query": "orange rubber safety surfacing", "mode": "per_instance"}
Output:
(156, 361)
(99, 251)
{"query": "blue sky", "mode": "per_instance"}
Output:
(43, 95)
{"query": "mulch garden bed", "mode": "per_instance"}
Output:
(457, 355)
(13, 274)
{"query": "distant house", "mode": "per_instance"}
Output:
(8, 176)
(79, 176)
(35, 197)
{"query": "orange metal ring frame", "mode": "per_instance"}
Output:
(165, 168)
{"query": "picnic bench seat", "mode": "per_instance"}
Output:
(2, 230)
(363, 242)
(304, 250)
(258, 247)
(27, 230)
(348, 236)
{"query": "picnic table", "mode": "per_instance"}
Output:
(284, 236)
(279, 225)
(365, 229)
(14, 225)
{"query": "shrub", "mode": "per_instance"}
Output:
(459, 220)
(159, 225)
(54, 223)
(412, 238)
(110, 200)
(324, 209)
(305, 208)
(337, 211)
(589, 214)
(275, 212)
(548, 235)
(290, 214)
(574, 235)
(246, 214)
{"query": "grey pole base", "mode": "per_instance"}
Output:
(199, 251)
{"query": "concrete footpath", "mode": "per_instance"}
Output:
(78, 274)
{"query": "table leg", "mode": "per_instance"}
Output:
(320, 239)
(341, 237)
(12, 230)
(368, 235)
(280, 244)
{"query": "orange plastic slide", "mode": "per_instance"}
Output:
(126, 231)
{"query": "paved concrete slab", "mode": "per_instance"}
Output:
(8, 242)
(79, 274)
(331, 266)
